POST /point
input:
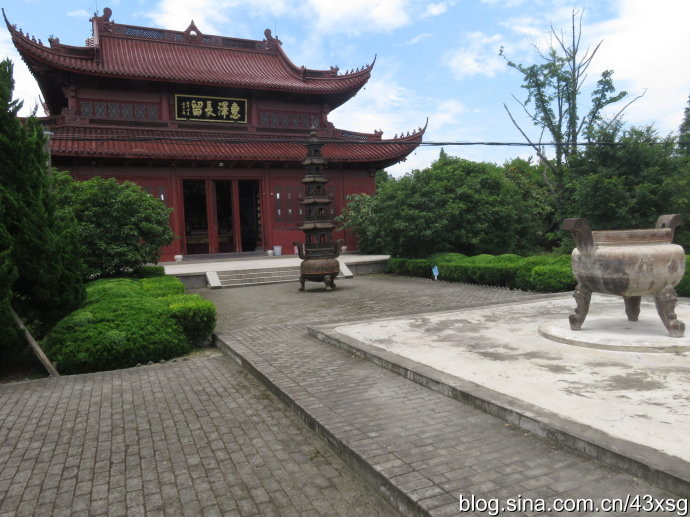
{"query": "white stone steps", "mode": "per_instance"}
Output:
(247, 277)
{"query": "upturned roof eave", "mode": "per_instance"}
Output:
(52, 58)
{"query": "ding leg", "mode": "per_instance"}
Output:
(582, 297)
(665, 301)
(632, 307)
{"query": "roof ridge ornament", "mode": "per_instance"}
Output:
(104, 22)
(193, 34)
(271, 42)
(415, 133)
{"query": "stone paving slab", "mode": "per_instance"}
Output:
(427, 448)
(197, 437)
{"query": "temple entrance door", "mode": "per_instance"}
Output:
(250, 215)
(195, 217)
(221, 216)
(225, 217)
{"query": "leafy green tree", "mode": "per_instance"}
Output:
(120, 225)
(630, 184)
(536, 201)
(381, 177)
(684, 132)
(43, 248)
(553, 103)
(455, 205)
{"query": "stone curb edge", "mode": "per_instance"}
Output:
(387, 490)
(660, 469)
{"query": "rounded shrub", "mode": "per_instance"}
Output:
(523, 273)
(419, 268)
(114, 333)
(446, 256)
(161, 286)
(552, 279)
(508, 257)
(196, 317)
(111, 288)
(453, 272)
(397, 265)
(479, 259)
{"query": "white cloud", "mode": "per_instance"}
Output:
(446, 113)
(79, 13)
(418, 38)
(646, 46)
(435, 9)
(387, 105)
(177, 14)
(325, 16)
(216, 16)
(383, 104)
(643, 43)
(477, 56)
(357, 16)
(504, 3)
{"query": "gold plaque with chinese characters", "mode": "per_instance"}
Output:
(210, 109)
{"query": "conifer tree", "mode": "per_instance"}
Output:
(8, 274)
(40, 242)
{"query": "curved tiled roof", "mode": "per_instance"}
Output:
(153, 144)
(125, 51)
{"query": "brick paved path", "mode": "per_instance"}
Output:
(197, 437)
(431, 448)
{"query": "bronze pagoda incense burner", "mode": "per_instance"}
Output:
(628, 263)
(319, 252)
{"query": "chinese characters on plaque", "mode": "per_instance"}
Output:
(210, 109)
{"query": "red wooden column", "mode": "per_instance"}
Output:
(211, 216)
(179, 208)
(236, 224)
(268, 211)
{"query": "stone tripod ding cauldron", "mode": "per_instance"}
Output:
(628, 263)
(322, 269)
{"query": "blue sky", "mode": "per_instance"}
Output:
(434, 59)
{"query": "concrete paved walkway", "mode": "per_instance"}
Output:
(202, 437)
(417, 447)
(197, 437)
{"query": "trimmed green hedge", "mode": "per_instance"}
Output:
(552, 279)
(115, 333)
(111, 288)
(196, 317)
(161, 286)
(540, 273)
(446, 256)
(126, 322)
(506, 270)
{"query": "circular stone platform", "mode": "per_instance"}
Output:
(617, 333)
